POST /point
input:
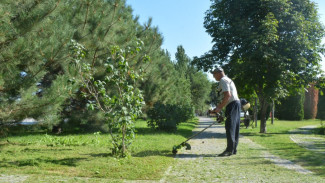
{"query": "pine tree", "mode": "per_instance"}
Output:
(160, 79)
(183, 84)
(193, 83)
(98, 26)
(200, 91)
(34, 72)
(35, 61)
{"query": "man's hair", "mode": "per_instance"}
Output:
(216, 70)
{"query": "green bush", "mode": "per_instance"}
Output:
(167, 117)
(321, 107)
(291, 108)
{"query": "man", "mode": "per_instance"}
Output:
(231, 101)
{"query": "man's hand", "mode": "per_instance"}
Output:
(216, 110)
(226, 97)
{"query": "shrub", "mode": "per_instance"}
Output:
(167, 117)
(321, 107)
(291, 108)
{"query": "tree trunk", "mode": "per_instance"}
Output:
(263, 114)
(311, 101)
(255, 112)
(123, 140)
(272, 112)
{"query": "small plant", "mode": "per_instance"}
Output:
(55, 141)
(116, 95)
(97, 138)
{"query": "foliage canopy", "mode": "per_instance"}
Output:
(269, 47)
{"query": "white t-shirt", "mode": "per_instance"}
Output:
(226, 84)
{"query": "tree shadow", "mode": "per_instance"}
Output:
(301, 156)
(64, 161)
(71, 162)
(100, 155)
(208, 135)
(255, 134)
(31, 150)
(148, 153)
(194, 156)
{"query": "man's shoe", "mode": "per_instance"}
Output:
(225, 153)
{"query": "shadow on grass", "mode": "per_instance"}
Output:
(208, 135)
(71, 162)
(31, 150)
(148, 153)
(208, 123)
(299, 155)
(145, 153)
(64, 161)
(248, 134)
(100, 155)
(194, 156)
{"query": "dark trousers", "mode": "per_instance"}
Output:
(232, 125)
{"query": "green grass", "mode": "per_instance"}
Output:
(278, 142)
(88, 155)
(321, 129)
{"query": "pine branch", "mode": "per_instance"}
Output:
(26, 10)
(110, 26)
(85, 22)
(94, 58)
(25, 32)
(114, 13)
(21, 108)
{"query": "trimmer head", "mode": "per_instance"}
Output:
(175, 149)
(184, 144)
(187, 145)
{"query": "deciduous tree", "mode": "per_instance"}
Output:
(270, 47)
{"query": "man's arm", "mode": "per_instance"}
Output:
(224, 101)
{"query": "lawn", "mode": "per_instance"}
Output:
(88, 155)
(278, 142)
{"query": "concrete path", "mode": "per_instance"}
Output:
(253, 163)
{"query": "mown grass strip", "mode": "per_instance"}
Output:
(277, 141)
(88, 155)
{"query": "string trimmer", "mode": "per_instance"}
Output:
(188, 146)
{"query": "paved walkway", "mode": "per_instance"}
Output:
(253, 163)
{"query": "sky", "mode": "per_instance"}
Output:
(181, 23)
